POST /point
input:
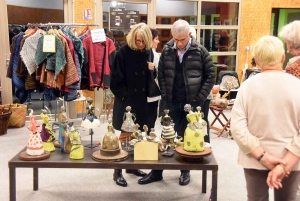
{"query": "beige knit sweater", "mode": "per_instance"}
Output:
(267, 113)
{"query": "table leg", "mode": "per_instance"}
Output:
(35, 179)
(204, 178)
(214, 185)
(12, 183)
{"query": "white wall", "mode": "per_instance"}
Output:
(163, 7)
(51, 4)
(175, 8)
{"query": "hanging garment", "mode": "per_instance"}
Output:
(28, 52)
(55, 61)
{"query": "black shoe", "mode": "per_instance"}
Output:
(149, 178)
(184, 178)
(118, 177)
(138, 173)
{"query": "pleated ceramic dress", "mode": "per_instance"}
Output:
(193, 135)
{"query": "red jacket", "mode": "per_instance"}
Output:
(101, 56)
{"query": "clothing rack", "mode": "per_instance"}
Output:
(16, 25)
(59, 24)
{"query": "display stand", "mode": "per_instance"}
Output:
(91, 145)
(127, 147)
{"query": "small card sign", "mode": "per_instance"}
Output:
(98, 35)
(49, 43)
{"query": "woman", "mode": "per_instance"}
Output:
(153, 101)
(265, 125)
(291, 36)
(129, 79)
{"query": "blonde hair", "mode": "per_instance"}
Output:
(291, 33)
(144, 31)
(268, 51)
(180, 27)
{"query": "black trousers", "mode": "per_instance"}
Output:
(152, 115)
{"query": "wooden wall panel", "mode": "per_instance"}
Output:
(256, 22)
(25, 15)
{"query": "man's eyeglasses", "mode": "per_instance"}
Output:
(139, 41)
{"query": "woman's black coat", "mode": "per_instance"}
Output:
(129, 79)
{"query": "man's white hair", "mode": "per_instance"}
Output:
(180, 27)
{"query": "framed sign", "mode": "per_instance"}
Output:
(87, 14)
(131, 19)
(116, 18)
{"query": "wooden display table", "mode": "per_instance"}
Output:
(59, 160)
(221, 118)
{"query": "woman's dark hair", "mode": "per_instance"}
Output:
(154, 33)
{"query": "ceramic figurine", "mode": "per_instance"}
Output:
(47, 133)
(129, 120)
(201, 120)
(216, 91)
(77, 150)
(66, 144)
(35, 145)
(168, 132)
(90, 120)
(193, 135)
(137, 133)
(62, 120)
(110, 140)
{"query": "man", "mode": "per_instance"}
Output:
(185, 76)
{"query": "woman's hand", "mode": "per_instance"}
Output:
(275, 177)
(270, 161)
(151, 66)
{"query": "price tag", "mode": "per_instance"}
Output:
(49, 43)
(98, 35)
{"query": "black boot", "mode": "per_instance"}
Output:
(137, 172)
(118, 177)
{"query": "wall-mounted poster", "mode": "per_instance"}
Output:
(131, 18)
(117, 18)
(87, 14)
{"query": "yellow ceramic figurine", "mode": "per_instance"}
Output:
(193, 135)
(202, 121)
(47, 133)
(77, 150)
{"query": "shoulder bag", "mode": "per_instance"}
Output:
(153, 89)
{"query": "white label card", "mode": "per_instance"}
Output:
(98, 35)
(49, 43)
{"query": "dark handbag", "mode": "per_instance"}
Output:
(153, 89)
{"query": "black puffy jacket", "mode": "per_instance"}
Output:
(199, 76)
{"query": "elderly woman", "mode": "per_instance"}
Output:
(291, 36)
(265, 125)
(129, 80)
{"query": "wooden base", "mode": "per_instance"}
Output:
(100, 158)
(192, 156)
(25, 157)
